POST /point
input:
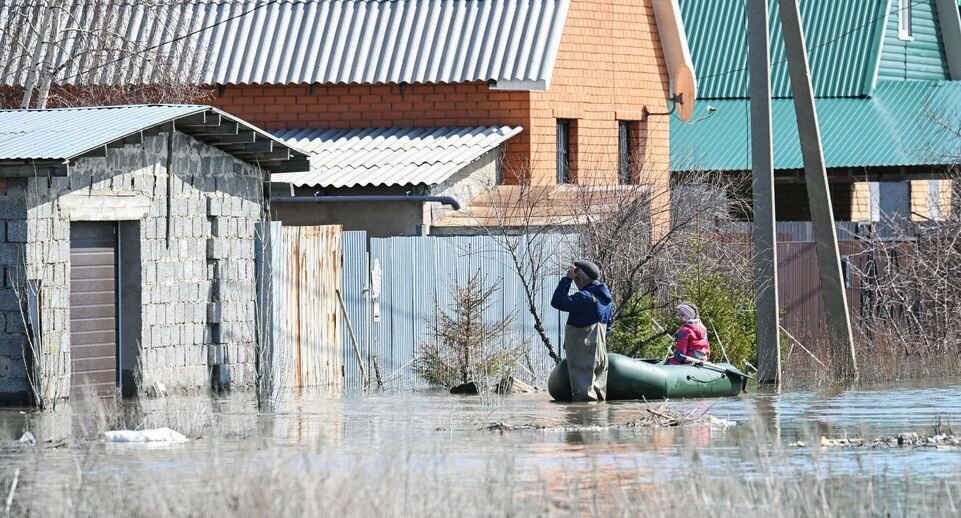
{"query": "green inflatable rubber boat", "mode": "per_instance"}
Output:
(629, 378)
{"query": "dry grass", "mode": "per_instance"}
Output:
(278, 483)
(237, 470)
(884, 361)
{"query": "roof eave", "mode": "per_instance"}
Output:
(674, 44)
(219, 129)
(949, 19)
(30, 168)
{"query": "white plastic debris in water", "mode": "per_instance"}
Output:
(721, 423)
(154, 435)
(27, 439)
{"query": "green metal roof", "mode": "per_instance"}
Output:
(901, 125)
(843, 39)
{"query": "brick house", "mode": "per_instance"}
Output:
(129, 256)
(887, 82)
(585, 74)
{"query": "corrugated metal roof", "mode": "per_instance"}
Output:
(922, 57)
(843, 40)
(388, 156)
(302, 41)
(66, 133)
(901, 125)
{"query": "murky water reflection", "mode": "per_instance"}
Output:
(359, 432)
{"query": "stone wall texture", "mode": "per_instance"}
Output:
(197, 258)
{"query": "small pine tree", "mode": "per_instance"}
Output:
(464, 346)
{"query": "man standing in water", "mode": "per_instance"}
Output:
(586, 333)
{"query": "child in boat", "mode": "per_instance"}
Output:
(691, 337)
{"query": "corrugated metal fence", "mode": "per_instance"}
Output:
(412, 278)
(355, 289)
(393, 289)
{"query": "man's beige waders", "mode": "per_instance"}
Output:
(587, 361)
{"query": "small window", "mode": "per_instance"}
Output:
(904, 20)
(564, 151)
(625, 151)
(846, 270)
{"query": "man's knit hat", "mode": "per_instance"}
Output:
(590, 269)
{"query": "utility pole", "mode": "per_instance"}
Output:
(763, 236)
(819, 199)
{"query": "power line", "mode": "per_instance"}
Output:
(171, 41)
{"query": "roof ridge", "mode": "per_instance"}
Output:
(107, 107)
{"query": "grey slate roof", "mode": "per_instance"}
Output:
(219, 42)
(67, 133)
(389, 156)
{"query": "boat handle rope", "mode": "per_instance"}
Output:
(692, 378)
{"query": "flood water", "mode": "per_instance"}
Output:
(359, 432)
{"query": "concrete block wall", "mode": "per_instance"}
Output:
(465, 185)
(195, 265)
(13, 237)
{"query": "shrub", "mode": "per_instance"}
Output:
(639, 331)
(464, 346)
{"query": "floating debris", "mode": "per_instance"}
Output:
(904, 440)
(153, 435)
(27, 439)
(657, 417)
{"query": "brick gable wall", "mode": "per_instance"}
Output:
(609, 67)
(380, 106)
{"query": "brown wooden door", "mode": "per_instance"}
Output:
(93, 308)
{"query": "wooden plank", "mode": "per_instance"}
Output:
(94, 299)
(199, 120)
(93, 311)
(92, 337)
(242, 137)
(94, 363)
(93, 272)
(101, 350)
(92, 286)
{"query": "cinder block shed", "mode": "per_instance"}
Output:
(128, 247)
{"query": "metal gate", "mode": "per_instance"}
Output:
(306, 271)
(93, 308)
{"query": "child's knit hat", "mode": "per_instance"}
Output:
(688, 311)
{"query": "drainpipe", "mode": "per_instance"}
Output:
(446, 200)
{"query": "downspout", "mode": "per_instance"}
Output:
(446, 200)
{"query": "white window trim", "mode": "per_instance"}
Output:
(904, 20)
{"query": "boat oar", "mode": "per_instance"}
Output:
(714, 367)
